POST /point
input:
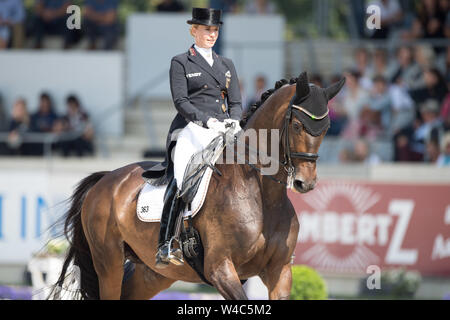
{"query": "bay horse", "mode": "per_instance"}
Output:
(247, 224)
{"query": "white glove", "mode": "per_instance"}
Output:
(216, 125)
(237, 126)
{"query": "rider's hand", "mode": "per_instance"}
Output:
(237, 126)
(216, 125)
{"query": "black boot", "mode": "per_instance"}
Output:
(169, 216)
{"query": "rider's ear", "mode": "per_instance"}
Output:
(302, 85)
(333, 90)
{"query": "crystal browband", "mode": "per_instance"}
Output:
(310, 114)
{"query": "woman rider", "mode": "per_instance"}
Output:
(205, 91)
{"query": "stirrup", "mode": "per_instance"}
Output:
(175, 256)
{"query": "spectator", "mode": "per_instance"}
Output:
(434, 88)
(260, 88)
(259, 7)
(404, 69)
(355, 99)
(376, 116)
(100, 19)
(359, 152)
(170, 6)
(381, 65)
(363, 66)
(337, 113)
(43, 120)
(77, 128)
(424, 58)
(431, 127)
(443, 64)
(51, 19)
(18, 125)
(402, 110)
(444, 157)
(12, 14)
(391, 15)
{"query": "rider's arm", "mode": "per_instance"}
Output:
(178, 87)
(234, 93)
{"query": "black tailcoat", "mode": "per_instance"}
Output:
(200, 92)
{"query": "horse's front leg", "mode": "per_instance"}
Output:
(223, 276)
(278, 280)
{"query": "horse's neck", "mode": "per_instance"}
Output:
(268, 117)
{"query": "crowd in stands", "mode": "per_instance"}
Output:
(99, 20)
(403, 98)
(72, 132)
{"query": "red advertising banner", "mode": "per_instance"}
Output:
(346, 226)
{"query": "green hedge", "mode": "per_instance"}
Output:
(307, 284)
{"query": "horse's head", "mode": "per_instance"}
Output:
(305, 124)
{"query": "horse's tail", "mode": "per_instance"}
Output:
(79, 252)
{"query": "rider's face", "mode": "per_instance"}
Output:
(205, 36)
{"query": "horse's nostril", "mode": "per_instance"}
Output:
(298, 184)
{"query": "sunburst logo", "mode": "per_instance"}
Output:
(339, 215)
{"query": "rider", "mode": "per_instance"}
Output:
(205, 90)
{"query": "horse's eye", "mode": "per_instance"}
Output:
(297, 126)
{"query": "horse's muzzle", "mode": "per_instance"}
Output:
(304, 186)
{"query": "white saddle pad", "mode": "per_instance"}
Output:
(151, 200)
(192, 139)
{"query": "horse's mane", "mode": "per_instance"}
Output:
(264, 97)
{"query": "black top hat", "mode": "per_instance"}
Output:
(207, 17)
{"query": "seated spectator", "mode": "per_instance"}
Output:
(18, 125)
(391, 14)
(43, 120)
(51, 18)
(259, 7)
(444, 158)
(434, 87)
(260, 88)
(359, 152)
(375, 116)
(355, 99)
(403, 112)
(424, 58)
(170, 6)
(363, 67)
(12, 14)
(77, 129)
(404, 67)
(381, 65)
(337, 113)
(443, 64)
(101, 20)
(431, 127)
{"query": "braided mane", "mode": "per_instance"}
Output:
(264, 97)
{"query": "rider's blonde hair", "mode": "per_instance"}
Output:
(192, 27)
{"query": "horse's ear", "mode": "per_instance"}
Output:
(333, 90)
(302, 85)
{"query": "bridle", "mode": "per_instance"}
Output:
(288, 155)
